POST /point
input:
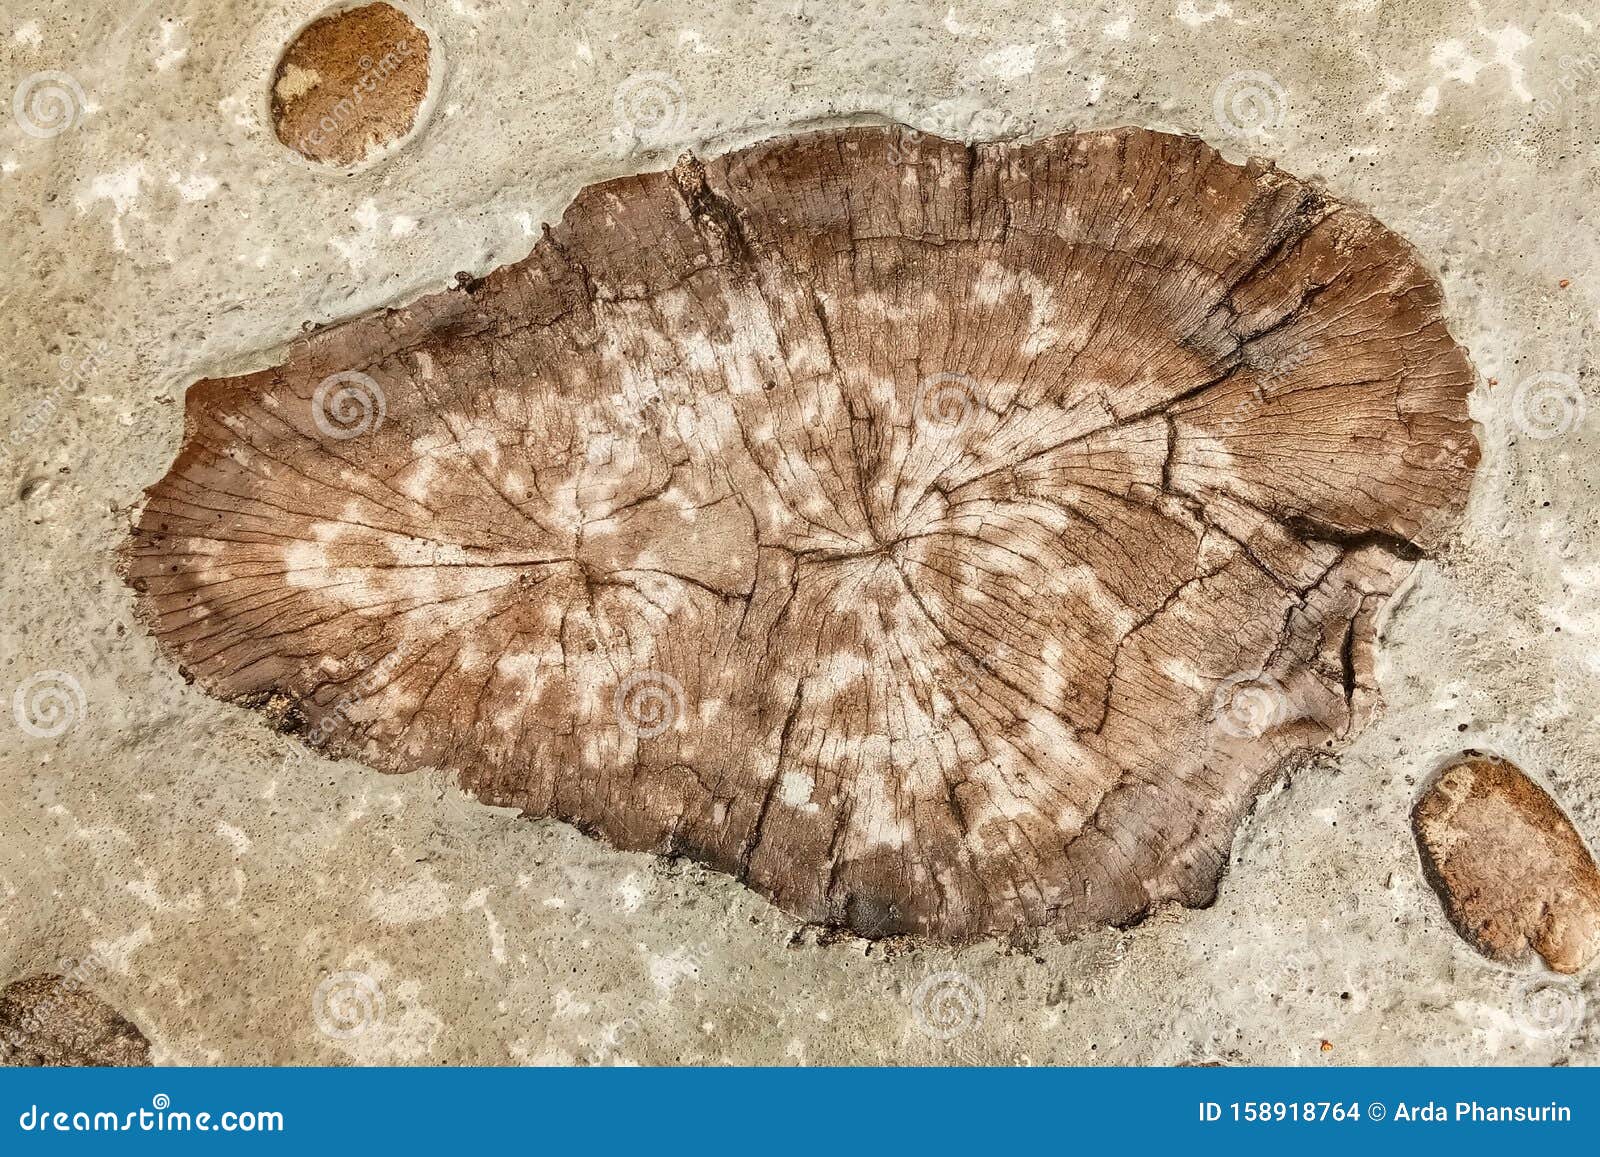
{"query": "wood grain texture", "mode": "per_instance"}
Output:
(53, 1021)
(943, 540)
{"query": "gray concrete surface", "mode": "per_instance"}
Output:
(245, 901)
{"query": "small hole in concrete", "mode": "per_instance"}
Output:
(351, 84)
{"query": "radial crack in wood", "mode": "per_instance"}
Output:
(944, 540)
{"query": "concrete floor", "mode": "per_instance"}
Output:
(245, 901)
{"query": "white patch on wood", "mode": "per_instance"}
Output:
(796, 789)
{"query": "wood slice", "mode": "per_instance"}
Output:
(943, 540)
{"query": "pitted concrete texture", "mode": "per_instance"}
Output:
(243, 900)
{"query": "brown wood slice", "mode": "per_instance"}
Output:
(1514, 874)
(944, 540)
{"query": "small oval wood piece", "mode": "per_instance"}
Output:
(1513, 873)
(351, 84)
